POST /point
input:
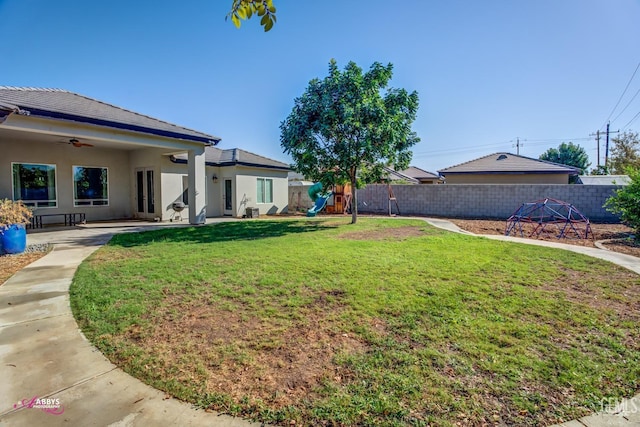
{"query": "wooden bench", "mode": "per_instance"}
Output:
(70, 219)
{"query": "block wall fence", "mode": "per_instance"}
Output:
(495, 201)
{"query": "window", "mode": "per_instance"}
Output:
(265, 190)
(35, 184)
(90, 186)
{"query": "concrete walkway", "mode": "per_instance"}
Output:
(44, 355)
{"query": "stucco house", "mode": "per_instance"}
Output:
(64, 153)
(508, 168)
(238, 179)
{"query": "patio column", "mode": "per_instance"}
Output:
(197, 186)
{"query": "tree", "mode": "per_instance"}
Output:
(343, 130)
(568, 154)
(600, 170)
(626, 201)
(244, 9)
(625, 153)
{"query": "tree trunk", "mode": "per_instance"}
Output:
(354, 201)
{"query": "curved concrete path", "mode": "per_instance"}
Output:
(44, 355)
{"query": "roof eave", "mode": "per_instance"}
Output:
(117, 125)
(256, 165)
(568, 172)
(222, 164)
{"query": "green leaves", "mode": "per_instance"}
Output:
(568, 154)
(626, 201)
(625, 152)
(244, 9)
(349, 127)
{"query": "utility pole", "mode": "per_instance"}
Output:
(606, 150)
(597, 134)
(518, 145)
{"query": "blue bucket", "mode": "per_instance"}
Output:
(13, 239)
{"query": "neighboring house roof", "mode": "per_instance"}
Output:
(388, 175)
(296, 178)
(63, 105)
(604, 180)
(232, 157)
(419, 174)
(393, 175)
(507, 163)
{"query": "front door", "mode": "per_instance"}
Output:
(145, 194)
(228, 197)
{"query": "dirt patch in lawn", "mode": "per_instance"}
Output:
(625, 303)
(391, 233)
(11, 264)
(618, 236)
(236, 353)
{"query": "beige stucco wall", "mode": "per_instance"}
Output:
(214, 192)
(64, 157)
(507, 178)
(244, 189)
(247, 189)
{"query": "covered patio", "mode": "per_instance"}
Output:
(64, 153)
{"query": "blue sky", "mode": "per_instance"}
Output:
(487, 72)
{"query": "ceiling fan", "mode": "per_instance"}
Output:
(76, 143)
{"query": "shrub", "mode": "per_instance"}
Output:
(626, 201)
(13, 213)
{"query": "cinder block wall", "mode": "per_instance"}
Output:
(483, 200)
(471, 200)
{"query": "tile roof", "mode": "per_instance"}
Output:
(507, 163)
(393, 175)
(62, 104)
(234, 156)
(417, 173)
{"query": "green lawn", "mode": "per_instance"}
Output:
(387, 322)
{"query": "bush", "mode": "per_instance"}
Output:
(13, 213)
(626, 201)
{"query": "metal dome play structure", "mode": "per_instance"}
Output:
(548, 217)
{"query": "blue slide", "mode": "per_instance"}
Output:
(319, 198)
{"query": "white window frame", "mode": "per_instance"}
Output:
(261, 198)
(82, 203)
(36, 203)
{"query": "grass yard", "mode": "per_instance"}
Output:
(389, 322)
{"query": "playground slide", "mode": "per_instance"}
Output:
(321, 201)
(319, 198)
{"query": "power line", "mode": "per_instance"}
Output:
(461, 149)
(631, 121)
(620, 99)
(530, 142)
(626, 106)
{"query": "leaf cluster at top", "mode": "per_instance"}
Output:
(244, 9)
